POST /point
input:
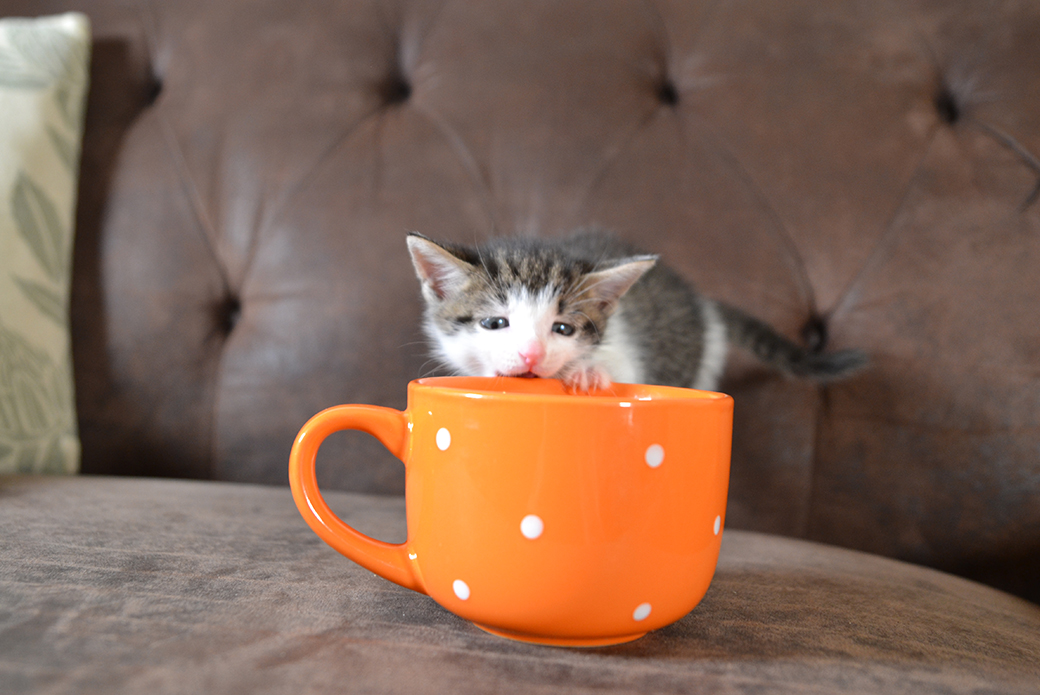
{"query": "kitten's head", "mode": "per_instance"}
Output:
(518, 308)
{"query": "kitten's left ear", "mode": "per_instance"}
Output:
(441, 272)
(610, 284)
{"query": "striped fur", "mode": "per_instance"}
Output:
(590, 310)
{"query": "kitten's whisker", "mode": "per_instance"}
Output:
(582, 289)
(486, 276)
(423, 372)
(587, 300)
(577, 306)
(424, 343)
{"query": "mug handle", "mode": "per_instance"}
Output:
(390, 427)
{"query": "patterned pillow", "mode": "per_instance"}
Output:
(43, 84)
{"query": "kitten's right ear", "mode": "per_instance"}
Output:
(441, 272)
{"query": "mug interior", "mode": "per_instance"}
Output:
(554, 388)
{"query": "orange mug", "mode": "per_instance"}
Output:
(541, 515)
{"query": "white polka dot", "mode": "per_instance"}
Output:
(642, 611)
(532, 526)
(461, 589)
(654, 455)
(718, 525)
(443, 439)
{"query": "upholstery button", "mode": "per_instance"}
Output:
(947, 107)
(667, 93)
(153, 89)
(227, 314)
(814, 333)
(396, 90)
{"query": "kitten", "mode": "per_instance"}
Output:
(589, 310)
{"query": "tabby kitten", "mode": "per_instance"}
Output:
(590, 310)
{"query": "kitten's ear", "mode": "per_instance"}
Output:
(609, 285)
(441, 272)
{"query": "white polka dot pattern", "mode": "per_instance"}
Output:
(443, 439)
(532, 526)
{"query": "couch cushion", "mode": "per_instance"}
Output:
(43, 83)
(859, 174)
(117, 585)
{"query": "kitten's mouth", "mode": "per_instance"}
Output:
(525, 375)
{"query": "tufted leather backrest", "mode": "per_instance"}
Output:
(860, 174)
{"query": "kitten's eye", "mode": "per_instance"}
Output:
(494, 323)
(564, 329)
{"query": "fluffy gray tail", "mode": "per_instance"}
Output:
(766, 344)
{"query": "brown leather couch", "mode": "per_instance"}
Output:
(859, 174)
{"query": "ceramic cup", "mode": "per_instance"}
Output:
(541, 515)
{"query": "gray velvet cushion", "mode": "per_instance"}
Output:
(123, 585)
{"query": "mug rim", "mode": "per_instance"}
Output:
(520, 388)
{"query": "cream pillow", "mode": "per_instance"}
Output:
(43, 84)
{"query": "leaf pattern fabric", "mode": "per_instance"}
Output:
(43, 83)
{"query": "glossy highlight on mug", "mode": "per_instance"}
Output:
(539, 514)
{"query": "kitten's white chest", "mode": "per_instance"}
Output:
(618, 353)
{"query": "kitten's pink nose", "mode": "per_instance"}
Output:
(532, 353)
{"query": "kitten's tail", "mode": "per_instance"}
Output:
(774, 349)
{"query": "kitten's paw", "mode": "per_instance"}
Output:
(585, 379)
